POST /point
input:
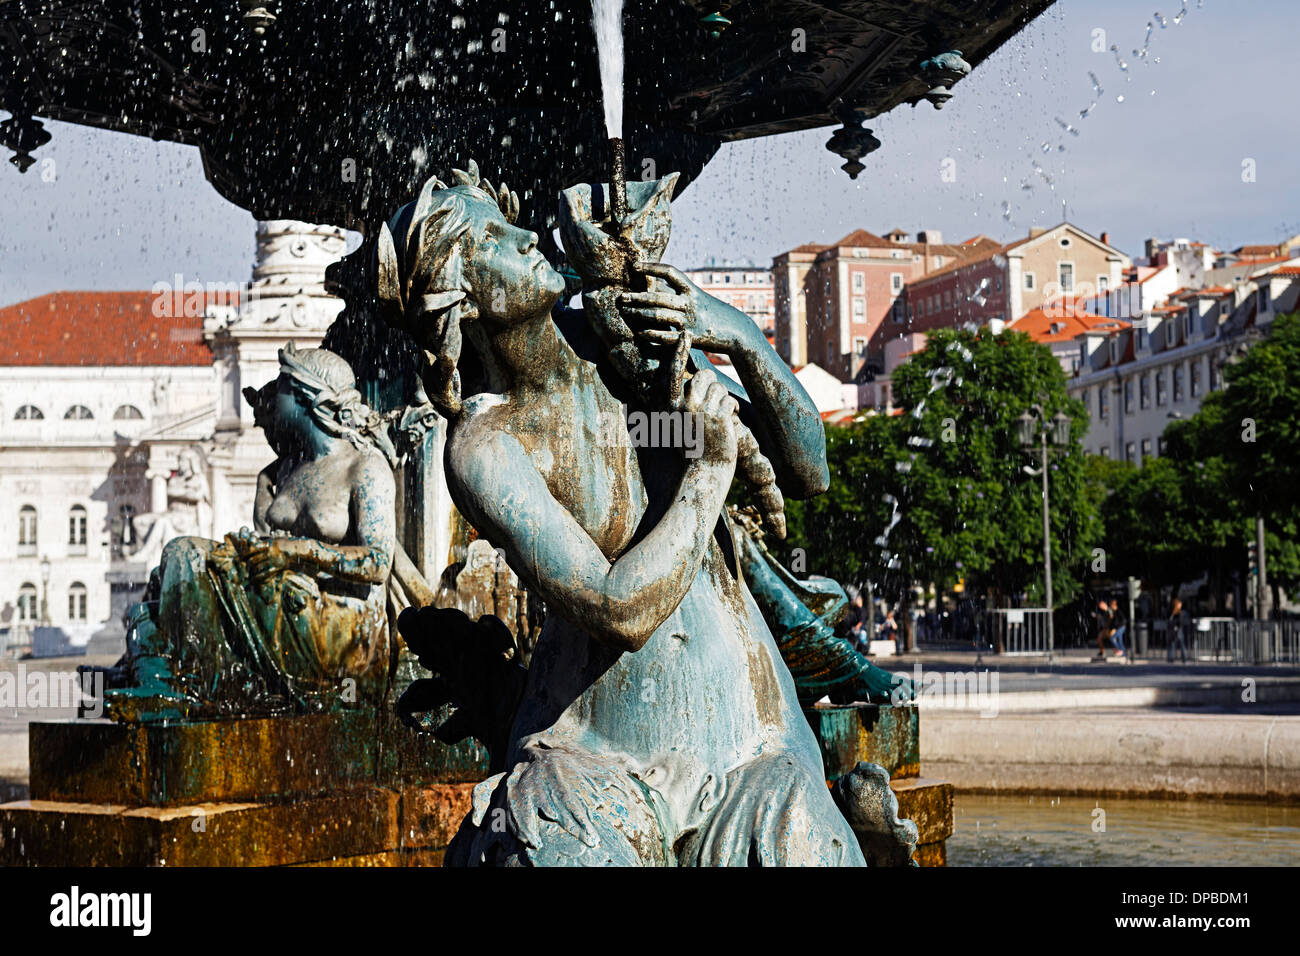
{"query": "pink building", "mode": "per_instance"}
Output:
(837, 305)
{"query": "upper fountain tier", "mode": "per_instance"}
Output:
(334, 111)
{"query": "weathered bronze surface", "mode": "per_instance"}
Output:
(656, 725)
(802, 616)
(291, 617)
(877, 733)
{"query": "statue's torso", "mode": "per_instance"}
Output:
(313, 500)
(708, 691)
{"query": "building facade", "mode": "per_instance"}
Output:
(1136, 377)
(837, 305)
(790, 283)
(745, 287)
(99, 398)
(122, 425)
(1002, 284)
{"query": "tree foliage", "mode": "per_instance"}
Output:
(952, 462)
(1192, 512)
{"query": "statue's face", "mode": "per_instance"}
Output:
(510, 279)
(289, 420)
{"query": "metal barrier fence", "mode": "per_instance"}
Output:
(1017, 630)
(1229, 640)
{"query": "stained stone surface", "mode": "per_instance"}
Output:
(232, 760)
(344, 789)
(876, 733)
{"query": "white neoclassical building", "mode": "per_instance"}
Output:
(121, 424)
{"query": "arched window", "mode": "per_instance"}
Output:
(77, 602)
(28, 413)
(27, 603)
(26, 530)
(78, 413)
(77, 526)
(127, 412)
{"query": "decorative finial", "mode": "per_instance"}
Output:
(852, 141)
(941, 71)
(22, 134)
(257, 16)
(711, 17)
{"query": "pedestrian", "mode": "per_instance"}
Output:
(1120, 624)
(889, 629)
(859, 619)
(1102, 618)
(1174, 631)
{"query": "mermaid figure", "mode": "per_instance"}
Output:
(657, 724)
(292, 616)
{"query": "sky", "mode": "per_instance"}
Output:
(1203, 145)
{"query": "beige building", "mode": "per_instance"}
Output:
(789, 278)
(1004, 283)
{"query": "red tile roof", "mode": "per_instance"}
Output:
(1062, 321)
(98, 328)
(1255, 250)
(1259, 262)
(1210, 292)
(860, 237)
(1289, 271)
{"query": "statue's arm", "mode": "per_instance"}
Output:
(620, 602)
(265, 495)
(374, 522)
(781, 414)
(783, 419)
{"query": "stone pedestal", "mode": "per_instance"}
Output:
(891, 737)
(329, 790)
(353, 789)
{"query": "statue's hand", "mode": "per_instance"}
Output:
(684, 309)
(716, 413)
(277, 554)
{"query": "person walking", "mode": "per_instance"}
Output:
(1120, 625)
(859, 619)
(1102, 617)
(1174, 630)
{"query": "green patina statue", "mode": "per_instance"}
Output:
(656, 723)
(802, 616)
(290, 617)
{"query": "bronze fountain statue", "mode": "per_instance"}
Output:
(290, 617)
(656, 724)
(658, 721)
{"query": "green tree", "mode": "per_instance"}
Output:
(952, 462)
(1245, 439)
(1252, 424)
(1165, 523)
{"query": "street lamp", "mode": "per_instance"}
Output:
(45, 592)
(1034, 428)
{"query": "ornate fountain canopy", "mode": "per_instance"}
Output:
(334, 110)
